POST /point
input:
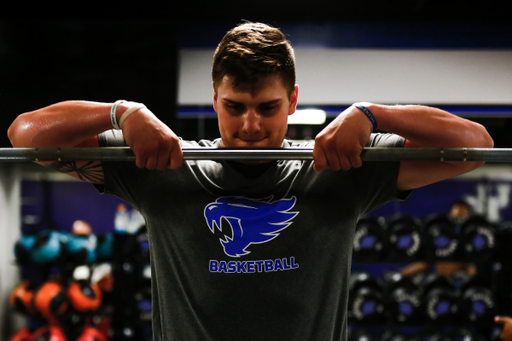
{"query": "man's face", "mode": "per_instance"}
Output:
(253, 115)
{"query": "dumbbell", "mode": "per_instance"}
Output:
(399, 335)
(361, 335)
(21, 297)
(440, 238)
(50, 301)
(84, 296)
(366, 299)
(49, 333)
(49, 248)
(478, 303)
(464, 334)
(369, 240)
(143, 305)
(81, 249)
(124, 332)
(440, 300)
(105, 247)
(478, 240)
(140, 254)
(404, 238)
(23, 248)
(404, 298)
(435, 335)
(91, 334)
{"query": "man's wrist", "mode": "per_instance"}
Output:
(113, 113)
(125, 109)
(364, 107)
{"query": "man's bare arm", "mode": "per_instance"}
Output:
(341, 143)
(72, 124)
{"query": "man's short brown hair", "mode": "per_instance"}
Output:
(251, 51)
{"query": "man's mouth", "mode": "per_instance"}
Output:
(251, 141)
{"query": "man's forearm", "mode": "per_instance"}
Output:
(430, 127)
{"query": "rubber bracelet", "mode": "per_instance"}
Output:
(113, 118)
(368, 114)
(130, 111)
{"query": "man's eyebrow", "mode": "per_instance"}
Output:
(274, 101)
(230, 101)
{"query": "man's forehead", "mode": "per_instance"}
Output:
(268, 85)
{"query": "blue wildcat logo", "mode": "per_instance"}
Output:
(251, 221)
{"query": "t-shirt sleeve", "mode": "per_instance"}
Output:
(117, 174)
(124, 179)
(376, 181)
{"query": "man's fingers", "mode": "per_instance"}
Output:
(140, 161)
(334, 161)
(164, 158)
(162, 161)
(176, 158)
(319, 158)
(151, 162)
(355, 160)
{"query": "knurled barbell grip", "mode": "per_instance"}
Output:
(209, 153)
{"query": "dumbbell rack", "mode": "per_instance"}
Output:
(496, 269)
(131, 319)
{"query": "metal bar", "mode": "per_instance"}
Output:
(208, 153)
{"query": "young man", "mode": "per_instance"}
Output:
(252, 250)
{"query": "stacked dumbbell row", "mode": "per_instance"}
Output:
(53, 252)
(55, 333)
(435, 238)
(63, 311)
(436, 300)
(132, 315)
(421, 334)
(57, 298)
(56, 248)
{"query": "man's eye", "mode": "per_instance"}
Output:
(235, 107)
(269, 108)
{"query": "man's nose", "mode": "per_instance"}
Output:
(251, 122)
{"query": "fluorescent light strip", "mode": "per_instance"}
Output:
(307, 116)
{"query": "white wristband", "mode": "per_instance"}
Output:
(130, 111)
(113, 118)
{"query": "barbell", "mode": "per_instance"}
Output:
(212, 153)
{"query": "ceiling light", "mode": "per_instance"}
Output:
(307, 116)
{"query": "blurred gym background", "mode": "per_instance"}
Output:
(451, 54)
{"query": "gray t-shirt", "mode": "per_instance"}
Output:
(251, 252)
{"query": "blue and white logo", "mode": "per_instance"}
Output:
(251, 221)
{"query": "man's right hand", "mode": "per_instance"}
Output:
(155, 145)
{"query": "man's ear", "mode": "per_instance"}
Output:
(293, 100)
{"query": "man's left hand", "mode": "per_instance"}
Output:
(340, 144)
